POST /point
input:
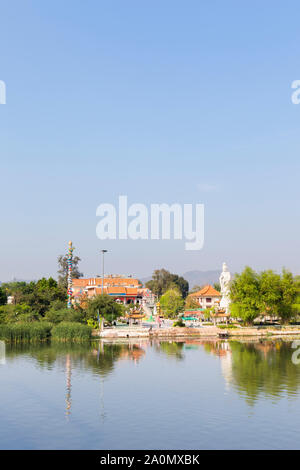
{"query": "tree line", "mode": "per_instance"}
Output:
(256, 295)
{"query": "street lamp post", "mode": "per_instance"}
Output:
(103, 251)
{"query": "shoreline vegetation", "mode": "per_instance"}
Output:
(72, 332)
(42, 331)
(262, 304)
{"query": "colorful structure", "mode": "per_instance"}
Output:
(123, 289)
(70, 266)
(207, 297)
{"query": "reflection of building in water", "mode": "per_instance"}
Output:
(223, 350)
(264, 347)
(226, 364)
(69, 386)
(133, 352)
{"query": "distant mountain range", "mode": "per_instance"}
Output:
(196, 278)
(200, 278)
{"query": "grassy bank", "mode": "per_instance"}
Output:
(32, 332)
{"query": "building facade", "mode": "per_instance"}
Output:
(207, 297)
(123, 289)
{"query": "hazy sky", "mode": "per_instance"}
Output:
(162, 101)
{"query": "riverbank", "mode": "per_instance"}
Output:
(206, 331)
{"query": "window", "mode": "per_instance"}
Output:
(208, 300)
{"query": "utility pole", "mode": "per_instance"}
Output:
(103, 252)
(70, 266)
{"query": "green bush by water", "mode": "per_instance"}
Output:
(33, 331)
(71, 331)
(227, 327)
(179, 323)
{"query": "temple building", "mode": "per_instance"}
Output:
(124, 289)
(207, 297)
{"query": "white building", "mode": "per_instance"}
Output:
(207, 297)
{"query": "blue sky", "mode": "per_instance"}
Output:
(171, 101)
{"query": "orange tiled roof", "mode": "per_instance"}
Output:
(79, 282)
(107, 281)
(131, 290)
(207, 291)
(116, 290)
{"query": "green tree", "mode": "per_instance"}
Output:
(245, 296)
(17, 313)
(65, 315)
(171, 303)
(267, 293)
(18, 289)
(106, 306)
(217, 286)
(191, 302)
(270, 292)
(3, 297)
(278, 294)
(63, 270)
(162, 280)
(37, 295)
(288, 297)
(41, 294)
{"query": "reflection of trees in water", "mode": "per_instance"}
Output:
(97, 357)
(170, 348)
(258, 368)
(264, 368)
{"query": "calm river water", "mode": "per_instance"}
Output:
(150, 395)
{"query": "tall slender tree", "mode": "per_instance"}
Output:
(63, 270)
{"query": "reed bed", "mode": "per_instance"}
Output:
(31, 332)
(71, 331)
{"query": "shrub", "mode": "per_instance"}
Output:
(93, 324)
(71, 331)
(106, 307)
(225, 327)
(179, 323)
(16, 313)
(64, 315)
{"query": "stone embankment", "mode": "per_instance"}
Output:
(207, 331)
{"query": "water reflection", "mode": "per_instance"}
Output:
(264, 369)
(172, 349)
(253, 369)
(69, 385)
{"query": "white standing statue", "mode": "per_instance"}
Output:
(225, 279)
